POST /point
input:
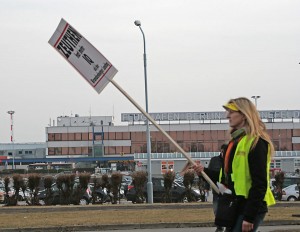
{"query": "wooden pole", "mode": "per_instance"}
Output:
(187, 156)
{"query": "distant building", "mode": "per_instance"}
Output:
(98, 141)
(20, 151)
(199, 133)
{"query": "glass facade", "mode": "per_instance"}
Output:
(190, 141)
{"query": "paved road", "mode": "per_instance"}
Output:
(287, 228)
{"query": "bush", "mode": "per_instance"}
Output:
(116, 180)
(188, 180)
(48, 182)
(33, 185)
(169, 178)
(279, 179)
(139, 180)
(17, 178)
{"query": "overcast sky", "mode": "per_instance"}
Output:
(200, 54)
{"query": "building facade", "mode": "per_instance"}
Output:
(198, 133)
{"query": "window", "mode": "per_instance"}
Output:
(20, 152)
(51, 151)
(72, 151)
(90, 136)
(111, 150)
(57, 137)
(112, 135)
(64, 136)
(98, 136)
(126, 135)
(85, 150)
(277, 164)
(78, 150)
(65, 151)
(71, 136)
(297, 164)
(85, 136)
(51, 137)
(126, 150)
(296, 132)
(119, 135)
(78, 136)
(57, 150)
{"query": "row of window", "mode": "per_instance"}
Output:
(190, 141)
(88, 150)
(276, 134)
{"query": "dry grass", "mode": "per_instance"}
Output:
(123, 215)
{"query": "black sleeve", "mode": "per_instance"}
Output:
(257, 160)
(213, 175)
(213, 169)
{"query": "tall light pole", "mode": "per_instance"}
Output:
(11, 112)
(149, 183)
(255, 99)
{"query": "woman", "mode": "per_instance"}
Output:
(245, 168)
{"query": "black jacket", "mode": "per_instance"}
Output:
(257, 160)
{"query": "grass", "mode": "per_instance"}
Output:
(74, 216)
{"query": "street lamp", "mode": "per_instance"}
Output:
(149, 183)
(102, 137)
(93, 134)
(11, 112)
(255, 99)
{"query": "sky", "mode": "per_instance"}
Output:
(200, 53)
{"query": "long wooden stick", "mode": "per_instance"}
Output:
(187, 156)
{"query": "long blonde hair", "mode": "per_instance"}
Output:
(254, 126)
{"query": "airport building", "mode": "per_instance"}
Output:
(98, 141)
(201, 134)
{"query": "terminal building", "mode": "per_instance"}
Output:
(98, 140)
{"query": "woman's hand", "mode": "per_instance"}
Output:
(247, 226)
(198, 168)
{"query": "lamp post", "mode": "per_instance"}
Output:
(93, 134)
(102, 137)
(11, 112)
(255, 99)
(149, 183)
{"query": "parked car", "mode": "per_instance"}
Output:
(289, 180)
(290, 193)
(126, 181)
(102, 194)
(56, 199)
(2, 195)
(178, 192)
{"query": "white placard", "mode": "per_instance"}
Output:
(83, 56)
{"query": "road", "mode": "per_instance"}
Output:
(287, 228)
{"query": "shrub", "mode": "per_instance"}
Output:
(33, 185)
(48, 182)
(279, 179)
(188, 180)
(84, 179)
(116, 180)
(17, 178)
(169, 177)
(139, 180)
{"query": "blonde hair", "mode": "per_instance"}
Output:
(254, 126)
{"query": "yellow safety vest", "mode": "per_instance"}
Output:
(241, 174)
